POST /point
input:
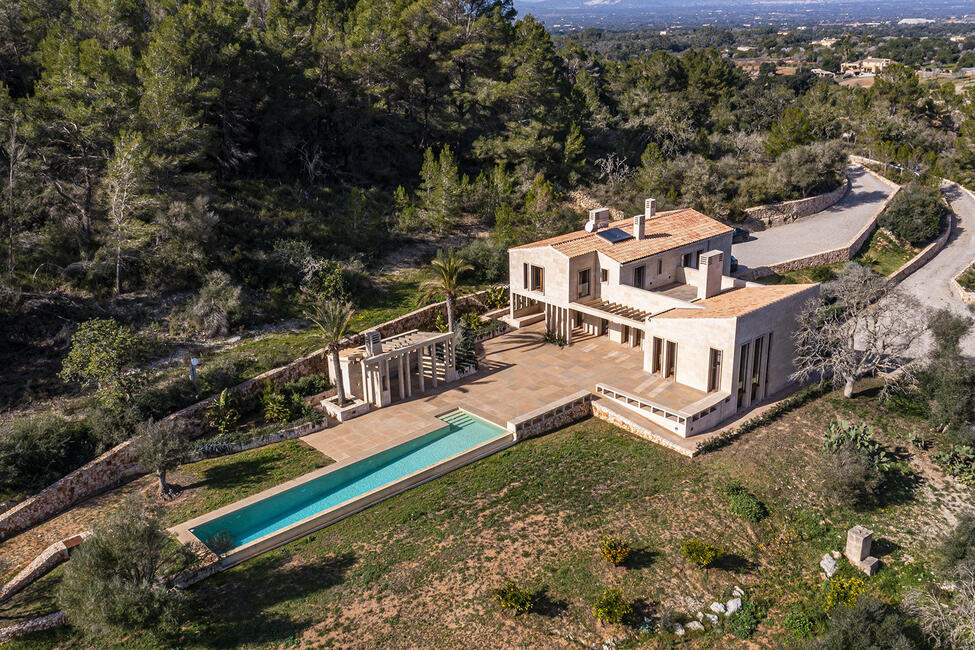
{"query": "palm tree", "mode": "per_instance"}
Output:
(448, 267)
(333, 318)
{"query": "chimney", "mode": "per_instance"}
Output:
(712, 265)
(374, 343)
(640, 226)
(650, 208)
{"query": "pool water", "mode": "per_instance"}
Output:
(463, 432)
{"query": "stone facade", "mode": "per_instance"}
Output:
(559, 413)
(777, 214)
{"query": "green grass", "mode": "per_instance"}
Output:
(418, 569)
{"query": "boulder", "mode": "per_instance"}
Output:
(678, 629)
(733, 606)
(712, 618)
(738, 591)
(697, 626)
(718, 608)
(828, 565)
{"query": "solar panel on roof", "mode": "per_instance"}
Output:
(614, 235)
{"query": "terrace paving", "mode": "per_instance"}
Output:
(520, 374)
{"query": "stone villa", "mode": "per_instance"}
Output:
(712, 345)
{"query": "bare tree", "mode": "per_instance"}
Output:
(614, 169)
(12, 151)
(856, 328)
(124, 181)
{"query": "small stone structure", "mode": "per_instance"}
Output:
(828, 565)
(778, 214)
(858, 543)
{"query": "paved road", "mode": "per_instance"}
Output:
(829, 229)
(930, 283)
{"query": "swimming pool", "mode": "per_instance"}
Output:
(464, 432)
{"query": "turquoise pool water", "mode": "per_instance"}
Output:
(463, 432)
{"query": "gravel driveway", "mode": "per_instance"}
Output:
(832, 228)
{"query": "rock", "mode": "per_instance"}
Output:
(738, 591)
(678, 629)
(712, 618)
(700, 616)
(733, 606)
(717, 608)
(836, 554)
(828, 565)
(697, 626)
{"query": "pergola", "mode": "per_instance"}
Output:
(399, 365)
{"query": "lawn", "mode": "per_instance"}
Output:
(418, 569)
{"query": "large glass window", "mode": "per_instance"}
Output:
(742, 373)
(714, 370)
(756, 366)
(538, 278)
(583, 286)
(639, 275)
(657, 363)
(671, 360)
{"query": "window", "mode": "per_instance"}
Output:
(604, 275)
(742, 373)
(657, 362)
(689, 260)
(537, 279)
(714, 370)
(525, 271)
(583, 286)
(671, 370)
(639, 274)
(768, 357)
(756, 366)
(660, 267)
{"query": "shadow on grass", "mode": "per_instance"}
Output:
(734, 562)
(236, 475)
(236, 608)
(545, 605)
(641, 558)
(883, 547)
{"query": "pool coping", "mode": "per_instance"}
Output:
(338, 512)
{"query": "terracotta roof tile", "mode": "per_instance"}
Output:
(666, 231)
(737, 302)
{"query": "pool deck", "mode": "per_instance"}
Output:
(520, 373)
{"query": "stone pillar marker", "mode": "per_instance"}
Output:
(858, 543)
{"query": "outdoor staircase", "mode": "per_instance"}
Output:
(458, 418)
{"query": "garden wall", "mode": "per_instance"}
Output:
(55, 554)
(777, 214)
(925, 256)
(120, 463)
(842, 254)
(559, 413)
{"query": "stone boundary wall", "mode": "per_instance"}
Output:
(778, 214)
(860, 160)
(55, 554)
(553, 415)
(925, 256)
(619, 420)
(842, 254)
(120, 462)
(225, 449)
(48, 622)
(109, 469)
(588, 203)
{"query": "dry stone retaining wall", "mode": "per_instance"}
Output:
(121, 463)
(559, 413)
(925, 256)
(777, 214)
(34, 625)
(52, 556)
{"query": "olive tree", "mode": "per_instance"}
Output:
(856, 328)
(160, 446)
(117, 580)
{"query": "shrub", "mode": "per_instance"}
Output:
(869, 623)
(842, 591)
(611, 607)
(472, 321)
(967, 278)
(115, 581)
(860, 436)
(489, 259)
(511, 596)
(308, 385)
(553, 337)
(916, 214)
(958, 546)
(744, 622)
(700, 553)
(959, 461)
(614, 550)
(222, 413)
(743, 504)
(214, 309)
(799, 624)
(496, 297)
(102, 355)
(821, 274)
(278, 407)
(35, 451)
(857, 465)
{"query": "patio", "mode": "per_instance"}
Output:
(520, 374)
